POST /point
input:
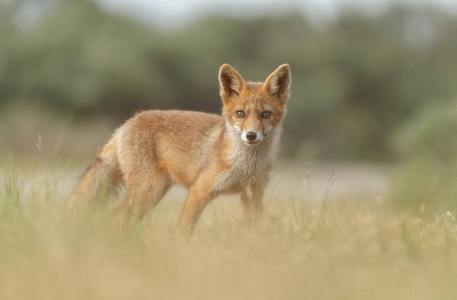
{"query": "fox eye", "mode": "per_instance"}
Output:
(266, 114)
(240, 114)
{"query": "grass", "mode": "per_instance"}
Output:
(345, 249)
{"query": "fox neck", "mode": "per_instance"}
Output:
(253, 158)
(247, 164)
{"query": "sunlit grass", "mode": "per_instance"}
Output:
(344, 249)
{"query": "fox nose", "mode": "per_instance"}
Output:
(251, 135)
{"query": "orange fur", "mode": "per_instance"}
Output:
(207, 153)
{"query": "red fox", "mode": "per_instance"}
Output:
(207, 153)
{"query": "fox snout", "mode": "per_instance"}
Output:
(251, 137)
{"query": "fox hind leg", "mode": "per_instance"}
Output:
(198, 198)
(143, 192)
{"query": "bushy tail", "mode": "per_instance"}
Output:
(99, 178)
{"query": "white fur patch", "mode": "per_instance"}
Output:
(268, 130)
(249, 163)
(237, 128)
(274, 87)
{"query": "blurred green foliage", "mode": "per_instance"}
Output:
(357, 80)
(427, 144)
(430, 136)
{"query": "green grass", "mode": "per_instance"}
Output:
(345, 249)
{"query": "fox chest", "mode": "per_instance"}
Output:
(250, 168)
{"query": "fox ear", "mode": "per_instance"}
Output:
(230, 81)
(278, 83)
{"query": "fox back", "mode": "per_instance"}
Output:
(207, 153)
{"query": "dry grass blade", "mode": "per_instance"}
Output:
(84, 255)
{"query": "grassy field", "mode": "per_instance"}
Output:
(316, 241)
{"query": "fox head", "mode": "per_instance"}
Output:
(254, 109)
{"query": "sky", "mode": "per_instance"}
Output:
(175, 12)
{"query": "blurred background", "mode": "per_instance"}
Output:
(373, 81)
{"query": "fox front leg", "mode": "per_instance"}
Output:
(197, 199)
(251, 197)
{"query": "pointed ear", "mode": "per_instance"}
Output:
(230, 81)
(278, 83)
